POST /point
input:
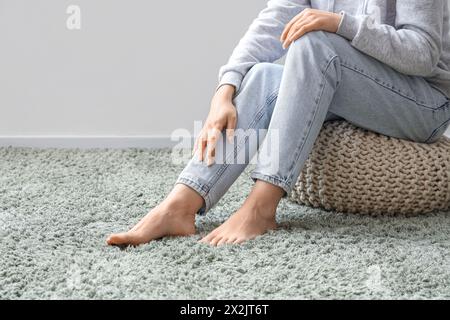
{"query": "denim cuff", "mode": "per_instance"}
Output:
(200, 190)
(272, 180)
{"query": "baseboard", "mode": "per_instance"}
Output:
(94, 142)
(89, 142)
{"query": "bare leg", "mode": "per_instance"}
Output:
(175, 216)
(254, 218)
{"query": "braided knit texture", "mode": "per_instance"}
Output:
(358, 171)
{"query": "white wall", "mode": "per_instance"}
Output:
(136, 68)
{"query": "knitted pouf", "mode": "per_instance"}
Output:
(357, 171)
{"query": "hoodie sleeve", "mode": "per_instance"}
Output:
(412, 47)
(261, 42)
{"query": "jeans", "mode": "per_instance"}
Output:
(323, 78)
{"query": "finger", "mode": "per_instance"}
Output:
(199, 137)
(304, 14)
(213, 137)
(301, 22)
(202, 147)
(299, 33)
(231, 126)
(290, 24)
(196, 143)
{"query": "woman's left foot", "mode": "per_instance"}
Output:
(250, 221)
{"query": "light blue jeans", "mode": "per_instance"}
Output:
(324, 78)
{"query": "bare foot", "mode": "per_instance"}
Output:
(175, 216)
(254, 218)
(246, 224)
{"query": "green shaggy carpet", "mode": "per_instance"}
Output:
(58, 206)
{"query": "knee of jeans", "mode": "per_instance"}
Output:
(260, 82)
(258, 93)
(311, 41)
(264, 73)
(314, 45)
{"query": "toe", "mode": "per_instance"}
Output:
(215, 241)
(206, 239)
(117, 239)
(238, 241)
(222, 241)
(126, 238)
(210, 236)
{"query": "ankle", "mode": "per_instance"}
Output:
(263, 208)
(265, 197)
(183, 199)
(175, 207)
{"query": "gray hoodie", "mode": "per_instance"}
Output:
(411, 36)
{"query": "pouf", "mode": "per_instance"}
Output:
(354, 170)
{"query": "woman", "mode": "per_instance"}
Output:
(382, 65)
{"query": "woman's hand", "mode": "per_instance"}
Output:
(309, 20)
(223, 115)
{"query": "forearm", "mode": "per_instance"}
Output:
(412, 46)
(261, 43)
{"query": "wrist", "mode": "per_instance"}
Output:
(337, 21)
(226, 91)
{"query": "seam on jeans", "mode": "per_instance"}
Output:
(238, 146)
(213, 179)
(435, 131)
(256, 119)
(443, 106)
(299, 148)
(440, 90)
(392, 88)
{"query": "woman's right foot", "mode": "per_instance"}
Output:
(175, 216)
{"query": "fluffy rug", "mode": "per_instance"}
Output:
(58, 206)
